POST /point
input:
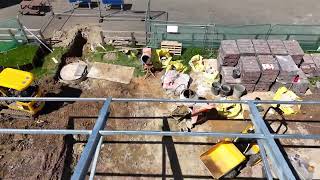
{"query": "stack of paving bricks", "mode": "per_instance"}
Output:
(267, 63)
(288, 72)
(277, 47)
(245, 47)
(250, 71)
(269, 72)
(308, 66)
(228, 53)
(261, 47)
(288, 69)
(294, 50)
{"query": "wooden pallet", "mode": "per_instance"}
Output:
(174, 47)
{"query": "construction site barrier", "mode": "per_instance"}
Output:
(210, 35)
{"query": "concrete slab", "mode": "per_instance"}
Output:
(110, 72)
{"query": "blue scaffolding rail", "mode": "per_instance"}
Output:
(265, 139)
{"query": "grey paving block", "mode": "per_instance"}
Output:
(288, 68)
(301, 84)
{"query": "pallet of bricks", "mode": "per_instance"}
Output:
(265, 65)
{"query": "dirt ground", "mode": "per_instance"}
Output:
(128, 157)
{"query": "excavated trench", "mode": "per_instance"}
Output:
(75, 52)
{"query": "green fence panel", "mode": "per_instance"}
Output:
(307, 35)
(11, 35)
(211, 35)
(243, 31)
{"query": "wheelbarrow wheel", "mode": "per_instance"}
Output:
(254, 159)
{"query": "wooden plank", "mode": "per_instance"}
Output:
(173, 46)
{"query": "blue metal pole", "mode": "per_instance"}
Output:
(66, 99)
(90, 148)
(95, 160)
(45, 131)
(265, 161)
(179, 133)
(270, 146)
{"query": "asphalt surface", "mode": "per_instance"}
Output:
(197, 12)
(238, 12)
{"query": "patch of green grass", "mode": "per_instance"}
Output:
(314, 80)
(121, 59)
(49, 67)
(97, 56)
(188, 53)
(124, 60)
(22, 55)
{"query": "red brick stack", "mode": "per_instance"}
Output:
(267, 63)
(250, 71)
(269, 72)
(228, 53)
(294, 50)
(261, 47)
(277, 47)
(245, 47)
(308, 66)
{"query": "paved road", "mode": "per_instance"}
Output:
(199, 11)
(238, 12)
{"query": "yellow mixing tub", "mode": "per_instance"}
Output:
(222, 158)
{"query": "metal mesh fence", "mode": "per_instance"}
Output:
(11, 35)
(211, 35)
(307, 35)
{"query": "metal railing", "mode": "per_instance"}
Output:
(269, 149)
